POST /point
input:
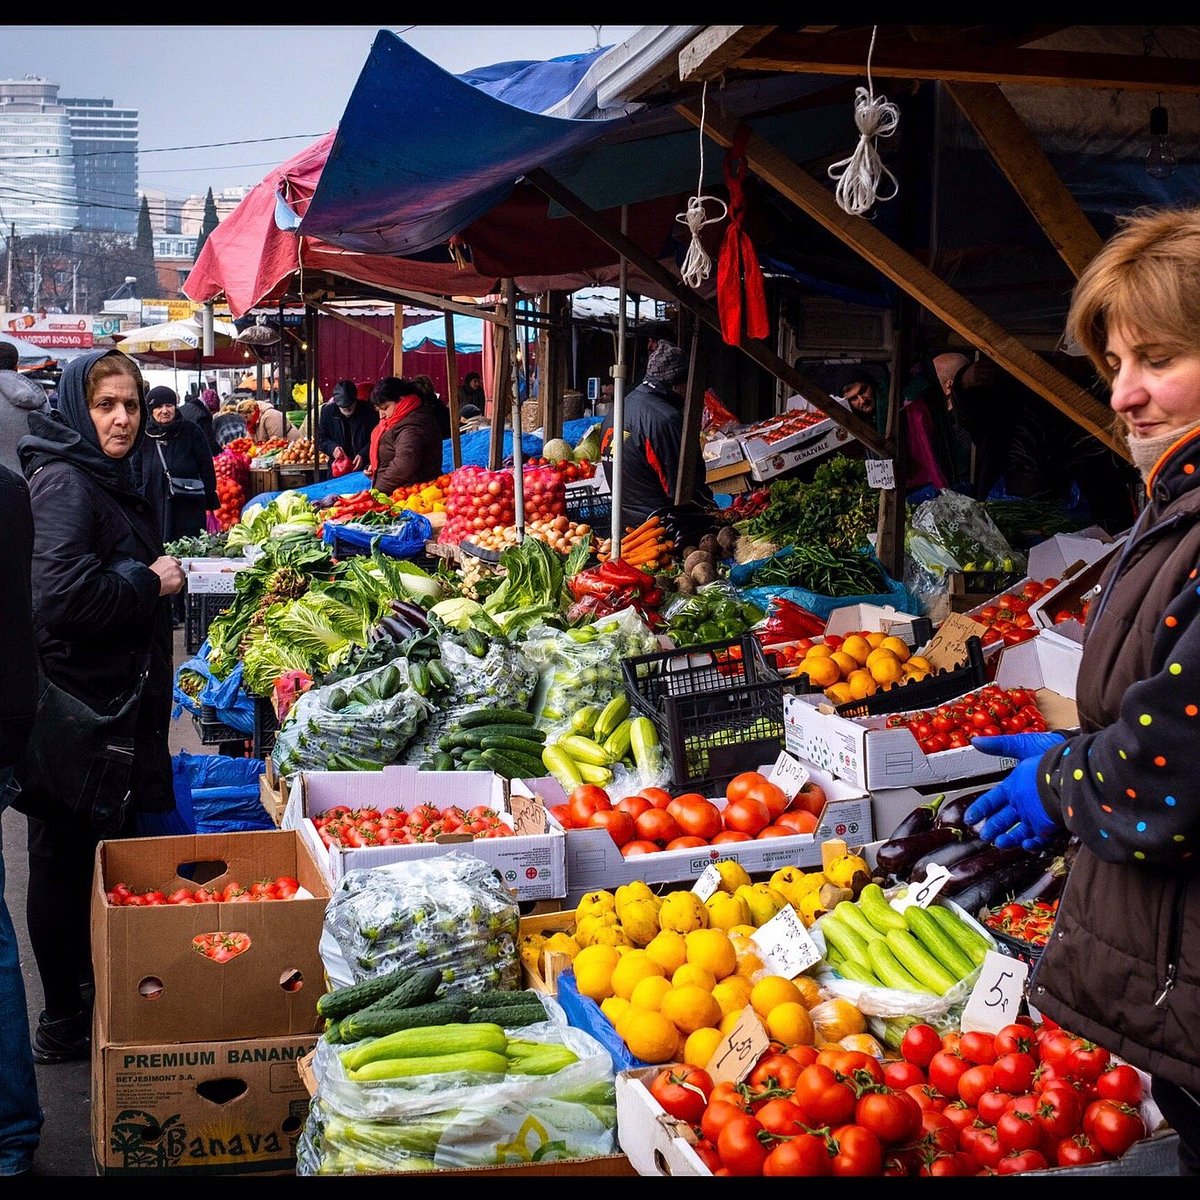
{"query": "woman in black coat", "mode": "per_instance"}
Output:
(101, 588)
(177, 447)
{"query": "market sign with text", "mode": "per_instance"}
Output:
(53, 331)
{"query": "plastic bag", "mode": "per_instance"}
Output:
(962, 529)
(215, 793)
(716, 612)
(462, 1119)
(234, 705)
(406, 537)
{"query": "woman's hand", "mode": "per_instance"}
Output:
(170, 575)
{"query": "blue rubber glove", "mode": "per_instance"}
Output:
(1012, 813)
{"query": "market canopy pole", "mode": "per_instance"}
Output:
(503, 381)
(693, 413)
(510, 302)
(452, 389)
(758, 352)
(619, 375)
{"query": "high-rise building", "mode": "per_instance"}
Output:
(37, 172)
(191, 213)
(164, 210)
(104, 140)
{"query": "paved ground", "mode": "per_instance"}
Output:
(64, 1089)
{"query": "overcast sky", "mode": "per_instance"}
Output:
(268, 90)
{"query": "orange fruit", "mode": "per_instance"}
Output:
(690, 1008)
(771, 990)
(862, 684)
(790, 1024)
(857, 647)
(898, 646)
(821, 671)
(845, 662)
(649, 1035)
(819, 650)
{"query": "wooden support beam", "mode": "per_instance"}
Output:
(452, 390)
(759, 352)
(693, 416)
(1027, 168)
(796, 185)
(718, 49)
(553, 347)
(353, 321)
(398, 341)
(425, 300)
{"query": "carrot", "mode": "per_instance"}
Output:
(648, 531)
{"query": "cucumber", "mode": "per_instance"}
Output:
(439, 676)
(875, 907)
(441, 761)
(504, 741)
(970, 940)
(514, 1016)
(848, 943)
(381, 1021)
(496, 716)
(343, 1001)
(418, 676)
(919, 962)
(500, 998)
(890, 968)
(938, 942)
(475, 641)
(502, 764)
(848, 911)
(849, 968)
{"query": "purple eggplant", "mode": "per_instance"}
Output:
(992, 887)
(897, 855)
(954, 812)
(949, 855)
(921, 818)
(985, 859)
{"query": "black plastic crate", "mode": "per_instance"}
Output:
(266, 726)
(939, 687)
(718, 708)
(590, 506)
(199, 610)
(212, 730)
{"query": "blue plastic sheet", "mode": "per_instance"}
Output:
(234, 705)
(409, 542)
(218, 793)
(584, 1013)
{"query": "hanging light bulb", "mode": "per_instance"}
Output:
(1160, 158)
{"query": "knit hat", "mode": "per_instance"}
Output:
(161, 395)
(345, 394)
(667, 364)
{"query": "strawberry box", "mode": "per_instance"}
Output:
(162, 976)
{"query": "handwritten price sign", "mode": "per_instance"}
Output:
(745, 1044)
(922, 894)
(708, 882)
(997, 996)
(788, 774)
(787, 947)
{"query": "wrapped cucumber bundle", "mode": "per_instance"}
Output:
(452, 913)
(362, 723)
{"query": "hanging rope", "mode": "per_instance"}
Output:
(696, 264)
(859, 176)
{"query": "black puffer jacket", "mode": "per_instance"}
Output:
(1123, 965)
(185, 455)
(97, 608)
(18, 692)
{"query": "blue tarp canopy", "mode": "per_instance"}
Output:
(468, 334)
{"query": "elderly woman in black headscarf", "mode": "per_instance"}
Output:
(175, 448)
(101, 588)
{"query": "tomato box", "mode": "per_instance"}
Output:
(198, 1108)
(1069, 596)
(272, 791)
(654, 1142)
(533, 865)
(154, 983)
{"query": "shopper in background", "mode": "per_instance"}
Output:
(406, 445)
(195, 410)
(209, 397)
(101, 588)
(1123, 965)
(18, 398)
(345, 425)
(472, 392)
(20, 1113)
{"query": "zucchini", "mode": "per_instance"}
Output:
(611, 715)
(938, 942)
(562, 766)
(879, 913)
(891, 971)
(343, 1001)
(427, 1041)
(482, 1061)
(585, 750)
(601, 776)
(919, 962)
(376, 1022)
(495, 716)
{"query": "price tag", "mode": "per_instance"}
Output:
(948, 647)
(881, 474)
(529, 817)
(996, 999)
(745, 1044)
(789, 774)
(787, 947)
(922, 894)
(708, 882)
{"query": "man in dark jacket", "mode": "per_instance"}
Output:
(20, 1113)
(195, 410)
(345, 424)
(653, 438)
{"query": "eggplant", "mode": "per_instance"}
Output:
(897, 855)
(398, 628)
(954, 812)
(921, 818)
(991, 889)
(414, 614)
(949, 855)
(1049, 884)
(986, 859)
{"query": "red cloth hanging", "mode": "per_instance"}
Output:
(741, 295)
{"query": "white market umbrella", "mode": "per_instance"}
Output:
(175, 337)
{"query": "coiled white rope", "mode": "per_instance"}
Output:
(859, 176)
(696, 263)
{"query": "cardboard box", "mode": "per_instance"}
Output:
(879, 618)
(198, 1108)
(1069, 594)
(213, 576)
(829, 438)
(655, 1143)
(534, 865)
(1050, 665)
(272, 792)
(594, 861)
(153, 985)
(723, 452)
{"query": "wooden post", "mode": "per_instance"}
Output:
(398, 342)
(552, 368)
(693, 413)
(452, 389)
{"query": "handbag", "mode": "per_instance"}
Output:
(180, 487)
(79, 758)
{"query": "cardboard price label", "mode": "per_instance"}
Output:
(737, 1053)
(948, 647)
(996, 998)
(708, 882)
(881, 474)
(789, 774)
(787, 947)
(922, 894)
(529, 817)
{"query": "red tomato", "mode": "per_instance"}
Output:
(1018, 1130)
(1087, 1062)
(585, 800)
(1120, 1083)
(974, 1082)
(978, 1047)
(859, 1151)
(775, 1070)
(1014, 1037)
(683, 1092)
(982, 1144)
(945, 1070)
(796, 820)
(685, 843)
(893, 1117)
(639, 846)
(696, 816)
(1013, 1072)
(992, 1105)
(657, 796)
(811, 798)
(729, 835)
(962, 1116)
(658, 826)
(781, 1116)
(774, 831)
(748, 815)
(899, 1074)
(633, 805)
(937, 1132)
(562, 814)
(1058, 1114)
(1113, 1126)
(823, 1096)
(739, 1146)
(716, 1116)
(953, 1163)
(1078, 1150)
(620, 825)
(1017, 1162)
(804, 1154)
(919, 1044)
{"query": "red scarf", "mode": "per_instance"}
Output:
(406, 405)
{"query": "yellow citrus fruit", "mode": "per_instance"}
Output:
(748, 965)
(729, 1021)
(820, 650)
(840, 693)
(733, 875)
(596, 954)
(712, 949)
(857, 647)
(846, 663)
(726, 911)
(918, 663)
(690, 1008)
(898, 646)
(885, 667)
(821, 671)
(648, 992)
(874, 639)
(649, 1035)
(701, 1045)
(669, 950)
(614, 1008)
(771, 990)
(693, 973)
(683, 912)
(732, 994)
(630, 971)
(594, 978)
(811, 992)
(790, 1024)
(861, 684)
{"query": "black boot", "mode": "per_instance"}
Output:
(65, 1040)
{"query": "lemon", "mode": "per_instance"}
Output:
(857, 647)
(820, 650)
(693, 974)
(845, 662)
(790, 1024)
(649, 992)
(614, 1008)
(840, 693)
(771, 990)
(732, 994)
(729, 1021)
(821, 672)
(690, 1008)
(594, 977)
(862, 684)
(874, 639)
(650, 1036)
(701, 1045)
(898, 646)
(631, 970)
(712, 949)
(669, 950)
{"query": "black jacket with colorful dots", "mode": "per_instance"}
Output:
(1123, 963)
